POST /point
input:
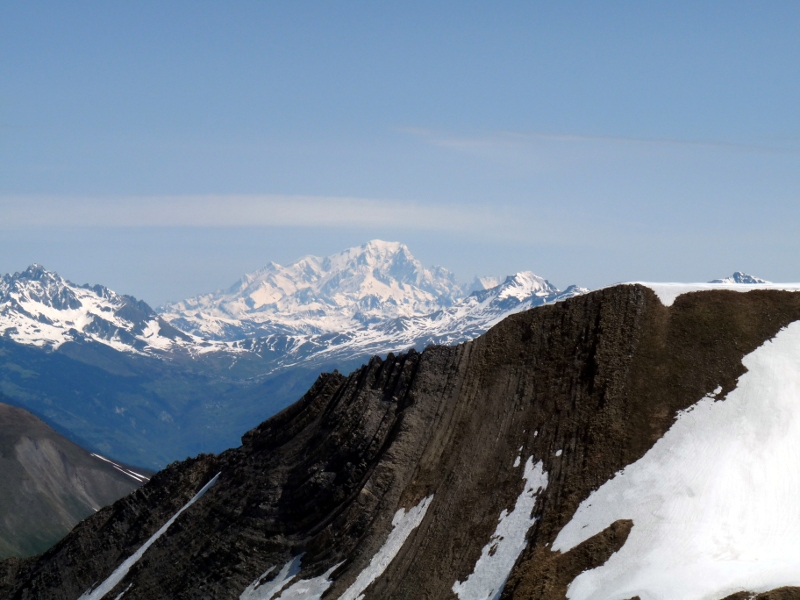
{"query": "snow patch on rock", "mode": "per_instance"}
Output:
(310, 589)
(714, 501)
(261, 590)
(403, 524)
(121, 571)
(305, 589)
(491, 572)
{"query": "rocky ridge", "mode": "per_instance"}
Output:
(443, 474)
(125, 381)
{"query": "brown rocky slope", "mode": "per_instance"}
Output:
(583, 387)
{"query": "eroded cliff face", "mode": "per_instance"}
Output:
(445, 474)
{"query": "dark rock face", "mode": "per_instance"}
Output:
(586, 387)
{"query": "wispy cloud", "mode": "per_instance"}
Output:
(242, 211)
(511, 139)
(495, 221)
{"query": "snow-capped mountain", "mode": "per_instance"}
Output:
(483, 283)
(376, 298)
(359, 286)
(741, 278)
(464, 320)
(41, 308)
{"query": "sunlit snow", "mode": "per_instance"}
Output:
(402, 526)
(714, 503)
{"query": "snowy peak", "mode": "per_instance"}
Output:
(41, 308)
(373, 298)
(352, 288)
(524, 285)
(36, 284)
(376, 268)
(740, 278)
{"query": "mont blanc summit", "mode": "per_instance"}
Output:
(375, 298)
(359, 286)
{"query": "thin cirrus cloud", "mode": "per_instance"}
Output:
(242, 211)
(512, 139)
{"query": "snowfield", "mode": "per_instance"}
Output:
(714, 503)
(668, 292)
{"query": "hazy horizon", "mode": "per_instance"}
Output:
(165, 150)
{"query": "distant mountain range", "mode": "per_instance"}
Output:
(375, 298)
(40, 308)
(150, 386)
(742, 278)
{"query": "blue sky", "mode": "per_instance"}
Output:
(165, 148)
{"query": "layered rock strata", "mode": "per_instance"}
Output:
(442, 474)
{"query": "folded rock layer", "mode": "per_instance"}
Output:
(437, 463)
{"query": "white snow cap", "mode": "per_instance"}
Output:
(325, 294)
(668, 292)
(40, 308)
